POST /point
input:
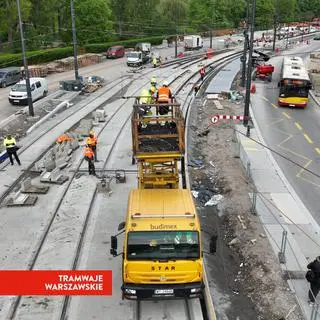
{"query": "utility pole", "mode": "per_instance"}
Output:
(25, 63)
(275, 26)
(245, 49)
(249, 70)
(176, 47)
(211, 38)
(74, 37)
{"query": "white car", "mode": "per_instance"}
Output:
(18, 93)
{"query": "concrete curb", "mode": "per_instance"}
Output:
(314, 97)
(207, 295)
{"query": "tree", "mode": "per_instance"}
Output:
(265, 13)
(9, 19)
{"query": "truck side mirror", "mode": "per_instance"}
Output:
(121, 226)
(114, 243)
(113, 252)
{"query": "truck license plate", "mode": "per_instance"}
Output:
(163, 291)
(16, 101)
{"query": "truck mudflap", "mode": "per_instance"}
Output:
(167, 291)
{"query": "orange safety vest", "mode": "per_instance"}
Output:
(92, 141)
(88, 153)
(164, 94)
(63, 138)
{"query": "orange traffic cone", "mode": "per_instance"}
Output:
(253, 88)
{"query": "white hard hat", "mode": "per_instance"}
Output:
(165, 83)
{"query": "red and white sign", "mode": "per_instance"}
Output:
(217, 117)
(55, 282)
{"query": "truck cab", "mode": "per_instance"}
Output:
(137, 58)
(162, 255)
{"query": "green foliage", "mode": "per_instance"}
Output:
(42, 56)
(35, 57)
(101, 47)
(100, 22)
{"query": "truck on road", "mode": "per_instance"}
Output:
(162, 253)
(140, 55)
(137, 58)
(193, 42)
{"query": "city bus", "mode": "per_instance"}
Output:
(294, 83)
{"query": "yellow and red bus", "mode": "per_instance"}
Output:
(294, 83)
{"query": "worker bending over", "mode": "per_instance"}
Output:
(63, 138)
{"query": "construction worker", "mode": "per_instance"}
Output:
(145, 96)
(164, 95)
(11, 145)
(145, 99)
(202, 72)
(153, 82)
(154, 61)
(63, 138)
(89, 156)
(92, 142)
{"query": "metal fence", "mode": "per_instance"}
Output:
(284, 245)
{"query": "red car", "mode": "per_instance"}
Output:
(115, 52)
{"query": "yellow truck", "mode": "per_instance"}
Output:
(162, 254)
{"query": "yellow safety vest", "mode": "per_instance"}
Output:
(145, 97)
(9, 143)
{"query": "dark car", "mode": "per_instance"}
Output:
(9, 76)
(115, 52)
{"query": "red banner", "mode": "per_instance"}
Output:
(56, 282)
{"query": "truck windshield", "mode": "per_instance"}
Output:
(133, 55)
(163, 245)
(20, 88)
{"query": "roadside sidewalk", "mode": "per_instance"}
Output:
(283, 215)
(315, 96)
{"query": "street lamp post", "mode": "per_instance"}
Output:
(25, 63)
(74, 36)
(245, 49)
(275, 26)
(249, 69)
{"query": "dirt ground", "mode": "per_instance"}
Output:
(246, 280)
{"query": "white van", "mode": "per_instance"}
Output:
(18, 93)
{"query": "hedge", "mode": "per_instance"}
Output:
(48, 55)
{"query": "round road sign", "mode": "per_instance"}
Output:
(214, 119)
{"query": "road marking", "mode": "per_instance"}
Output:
(317, 150)
(308, 138)
(251, 149)
(299, 175)
(286, 115)
(276, 107)
(298, 125)
(265, 99)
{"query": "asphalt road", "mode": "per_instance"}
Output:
(294, 133)
(109, 69)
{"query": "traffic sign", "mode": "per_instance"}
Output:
(214, 119)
